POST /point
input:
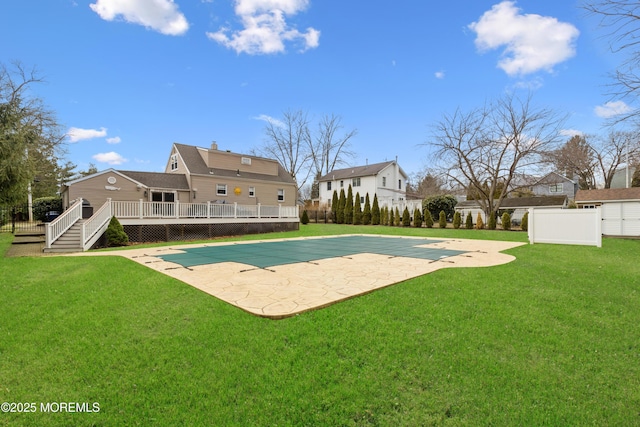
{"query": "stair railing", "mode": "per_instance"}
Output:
(58, 226)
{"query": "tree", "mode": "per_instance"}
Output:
(506, 221)
(620, 18)
(334, 206)
(635, 180)
(397, 218)
(492, 221)
(442, 219)
(342, 201)
(479, 222)
(428, 219)
(436, 204)
(468, 223)
(348, 207)
(576, 158)
(457, 220)
(28, 131)
(375, 211)
(357, 210)
(305, 217)
(366, 213)
(288, 141)
(417, 218)
(406, 217)
(426, 183)
(392, 219)
(486, 147)
(613, 151)
(328, 149)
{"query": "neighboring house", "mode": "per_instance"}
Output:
(620, 209)
(387, 180)
(203, 193)
(555, 184)
(518, 206)
(619, 179)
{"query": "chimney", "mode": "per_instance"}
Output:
(214, 145)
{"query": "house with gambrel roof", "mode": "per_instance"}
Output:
(203, 192)
(387, 180)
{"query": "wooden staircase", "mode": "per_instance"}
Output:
(70, 241)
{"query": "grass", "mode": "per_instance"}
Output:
(549, 339)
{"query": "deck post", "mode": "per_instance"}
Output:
(177, 213)
(259, 214)
(141, 208)
(208, 209)
(235, 209)
(279, 210)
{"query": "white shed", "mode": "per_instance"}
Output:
(620, 209)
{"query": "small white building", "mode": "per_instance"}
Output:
(387, 180)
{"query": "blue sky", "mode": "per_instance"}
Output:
(127, 78)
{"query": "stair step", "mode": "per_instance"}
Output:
(23, 240)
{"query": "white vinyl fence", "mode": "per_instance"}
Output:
(566, 226)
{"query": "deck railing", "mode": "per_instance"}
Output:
(58, 226)
(144, 210)
(98, 221)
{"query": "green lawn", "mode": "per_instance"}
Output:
(552, 338)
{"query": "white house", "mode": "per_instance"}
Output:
(387, 180)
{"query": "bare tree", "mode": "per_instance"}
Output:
(621, 21)
(426, 183)
(288, 141)
(329, 149)
(302, 154)
(619, 147)
(29, 133)
(576, 158)
(485, 148)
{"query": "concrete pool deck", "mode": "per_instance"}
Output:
(280, 291)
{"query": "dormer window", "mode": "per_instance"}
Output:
(174, 162)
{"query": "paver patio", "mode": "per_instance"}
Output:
(273, 278)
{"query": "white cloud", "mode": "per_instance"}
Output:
(114, 140)
(612, 109)
(79, 134)
(159, 15)
(531, 42)
(571, 132)
(439, 74)
(269, 119)
(265, 29)
(111, 158)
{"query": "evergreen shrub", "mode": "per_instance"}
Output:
(115, 234)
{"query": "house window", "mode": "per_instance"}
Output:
(399, 184)
(588, 206)
(221, 189)
(355, 182)
(361, 199)
(329, 186)
(245, 161)
(174, 162)
(280, 195)
(252, 191)
(555, 188)
(384, 181)
(341, 184)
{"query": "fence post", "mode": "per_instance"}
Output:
(13, 220)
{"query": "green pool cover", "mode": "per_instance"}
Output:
(268, 254)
